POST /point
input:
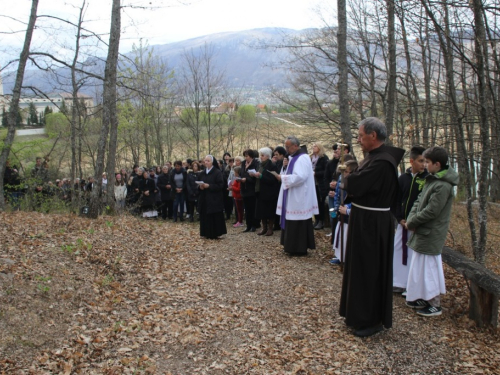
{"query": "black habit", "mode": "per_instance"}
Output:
(211, 204)
(366, 297)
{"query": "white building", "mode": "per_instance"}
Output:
(53, 101)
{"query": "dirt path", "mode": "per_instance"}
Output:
(122, 295)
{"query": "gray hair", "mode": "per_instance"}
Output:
(294, 140)
(373, 124)
(266, 151)
(240, 158)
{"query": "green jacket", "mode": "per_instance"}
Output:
(430, 215)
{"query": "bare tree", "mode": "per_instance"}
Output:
(202, 89)
(391, 84)
(345, 127)
(109, 118)
(16, 95)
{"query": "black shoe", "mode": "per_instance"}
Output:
(369, 331)
(181, 219)
(418, 304)
(252, 229)
(319, 225)
(191, 219)
(295, 254)
(174, 220)
(248, 230)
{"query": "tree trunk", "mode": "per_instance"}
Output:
(345, 126)
(484, 127)
(109, 117)
(16, 95)
(391, 85)
(75, 112)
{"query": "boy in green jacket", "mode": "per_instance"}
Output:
(429, 219)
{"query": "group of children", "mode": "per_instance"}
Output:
(423, 215)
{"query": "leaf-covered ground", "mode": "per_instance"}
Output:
(122, 295)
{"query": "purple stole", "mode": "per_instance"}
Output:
(289, 170)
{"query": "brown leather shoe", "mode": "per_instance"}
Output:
(264, 228)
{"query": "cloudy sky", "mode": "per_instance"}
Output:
(169, 21)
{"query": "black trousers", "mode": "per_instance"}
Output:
(249, 203)
(228, 205)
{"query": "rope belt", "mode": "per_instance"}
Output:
(370, 208)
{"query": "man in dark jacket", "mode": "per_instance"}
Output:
(12, 185)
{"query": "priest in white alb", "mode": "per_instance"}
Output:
(297, 201)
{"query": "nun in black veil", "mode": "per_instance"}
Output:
(211, 200)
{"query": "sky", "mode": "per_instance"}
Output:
(169, 21)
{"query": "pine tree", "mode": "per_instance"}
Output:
(32, 115)
(63, 108)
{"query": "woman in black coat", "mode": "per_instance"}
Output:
(192, 189)
(267, 188)
(147, 190)
(165, 187)
(248, 188)
(319, 161)
(211, 201)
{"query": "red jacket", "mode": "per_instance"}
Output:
(236, 189)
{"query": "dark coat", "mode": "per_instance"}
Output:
(269, 185)
(212, 196)
(147, 184)
(248, 187)
(11, 180)
(319, 175)
(409, 190)
(162, 183)
(192, 187)
(330, 173)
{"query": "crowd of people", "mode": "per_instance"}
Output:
(403, 219)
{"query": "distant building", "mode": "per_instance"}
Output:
(53, 101)
(225, 108)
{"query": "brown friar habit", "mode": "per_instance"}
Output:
(366, 298)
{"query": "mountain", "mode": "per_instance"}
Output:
(237, 54)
